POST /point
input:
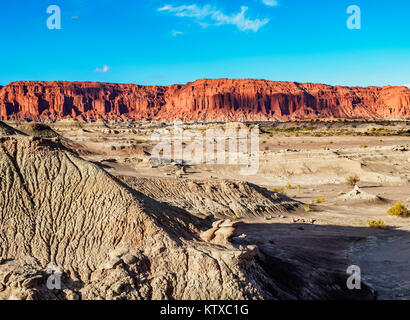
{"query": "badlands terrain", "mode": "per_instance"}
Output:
(87, 198)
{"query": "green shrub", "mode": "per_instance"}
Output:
(319, 200)
(379, 224)
(277, 190)
(398, 210)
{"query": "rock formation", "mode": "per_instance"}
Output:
(220, 99)
(6, 130)
(65, 218)
(222, 199)
(107, 241)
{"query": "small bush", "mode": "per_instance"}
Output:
(405, 133)
(398, 210)
(353, 180)
(288, 186)
(306, 207)
(319, 200)
(277, 190)
(379, 224)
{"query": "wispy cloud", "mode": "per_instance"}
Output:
(176, 33)
(208, 15)
(104, 69)
(270, 3)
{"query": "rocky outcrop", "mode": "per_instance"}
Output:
(63, 216)
(223, 199)
(69, 230)
(220, 99)
(6, 130)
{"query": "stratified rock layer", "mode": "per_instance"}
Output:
(66, 220)
(220, 99)
(60, 212)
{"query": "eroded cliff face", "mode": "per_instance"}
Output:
(106, 240)
(221, 99)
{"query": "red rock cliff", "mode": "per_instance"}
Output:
(221, 99)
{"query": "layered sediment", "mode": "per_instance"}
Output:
(220, 99)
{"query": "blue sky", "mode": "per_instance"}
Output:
(177, 41)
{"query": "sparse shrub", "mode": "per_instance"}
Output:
(235, 217)
(399, 210)
(277, 190)
(298, 186)
(306, 207)
(353, 180)
(319, 200)
(379, 224)
(404, 133)
(288, 186)
(138, 160)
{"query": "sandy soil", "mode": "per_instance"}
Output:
(307, 165)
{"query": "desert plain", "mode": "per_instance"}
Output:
(88, 199)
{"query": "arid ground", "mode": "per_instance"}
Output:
(88, 198)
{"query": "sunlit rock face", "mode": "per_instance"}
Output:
(220, 99)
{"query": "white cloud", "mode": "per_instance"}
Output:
(176, 33)
(208, 15)
(104, 69)
(270, 3)
(407, 85)
(191, 11)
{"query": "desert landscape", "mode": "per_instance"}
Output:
(81, 193)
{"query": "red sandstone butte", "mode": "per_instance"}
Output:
(220, 99)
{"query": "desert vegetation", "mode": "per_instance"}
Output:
(399, 210)
(352, 180)
(378, 224)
